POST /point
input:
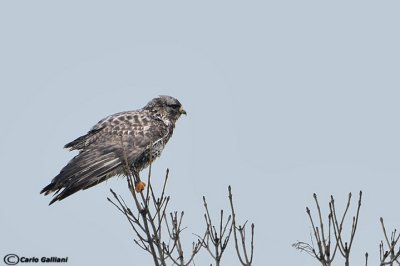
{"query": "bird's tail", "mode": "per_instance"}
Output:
(85, 170)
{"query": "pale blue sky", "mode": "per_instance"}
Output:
(284, 98)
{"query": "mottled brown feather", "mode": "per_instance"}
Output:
(140, 135)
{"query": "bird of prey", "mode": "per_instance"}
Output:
(127, 139)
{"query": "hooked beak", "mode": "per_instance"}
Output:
(182, 111)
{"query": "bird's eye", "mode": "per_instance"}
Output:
(174, 106)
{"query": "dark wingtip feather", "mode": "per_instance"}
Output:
(66, 192)
(47, 189)
(52, 201)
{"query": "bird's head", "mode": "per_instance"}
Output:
(167, 107)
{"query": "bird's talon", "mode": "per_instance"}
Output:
(139, 186)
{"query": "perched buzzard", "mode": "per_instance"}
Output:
(136, 137)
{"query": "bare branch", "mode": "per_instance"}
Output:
(243, 258)
(160, 235)
(325, 255)
(392, 254)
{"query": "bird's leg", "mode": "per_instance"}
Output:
(139, 185)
